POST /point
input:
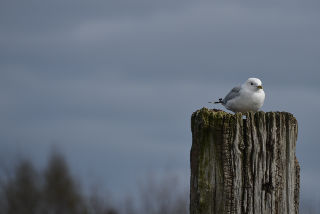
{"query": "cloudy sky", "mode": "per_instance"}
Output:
(113, 83)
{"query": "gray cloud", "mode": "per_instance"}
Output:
(218, 39)
(116, 82)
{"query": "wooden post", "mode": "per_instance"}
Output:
(244, 163)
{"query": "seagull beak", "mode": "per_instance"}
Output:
(259, 87)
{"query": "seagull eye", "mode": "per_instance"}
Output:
(251, 83)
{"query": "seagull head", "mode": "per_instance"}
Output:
(253, 84)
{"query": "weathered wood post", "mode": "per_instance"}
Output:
(244, 163)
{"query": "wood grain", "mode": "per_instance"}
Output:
(244, 163)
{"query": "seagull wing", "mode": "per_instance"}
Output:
(235, 92)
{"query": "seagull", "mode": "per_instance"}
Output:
(247, 97)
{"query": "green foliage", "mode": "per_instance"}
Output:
(22, 192)
(59, 191)
(55, 191)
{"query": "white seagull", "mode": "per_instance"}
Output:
(247, 97)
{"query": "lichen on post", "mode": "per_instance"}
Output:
(243, 163)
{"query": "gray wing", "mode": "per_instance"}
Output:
(235, 92)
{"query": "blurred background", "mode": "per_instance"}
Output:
(102, 92)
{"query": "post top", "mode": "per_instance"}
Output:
(207, 116)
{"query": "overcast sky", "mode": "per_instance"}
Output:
(114, 83)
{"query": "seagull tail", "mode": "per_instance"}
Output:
(217, 102)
